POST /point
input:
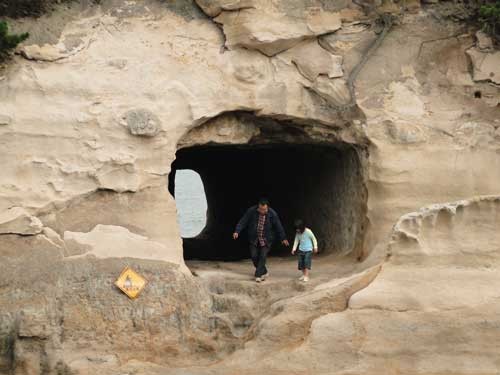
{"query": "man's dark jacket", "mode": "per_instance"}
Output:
(272, 225)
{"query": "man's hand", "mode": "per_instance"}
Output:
(285, 242)
(293, 252)
(235, 236)
(315, 251)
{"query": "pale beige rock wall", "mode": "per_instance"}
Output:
(67, 136)
(70, 140)
(90, 123)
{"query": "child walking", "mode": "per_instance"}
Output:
(307, 244)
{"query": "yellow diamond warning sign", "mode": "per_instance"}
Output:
(130, 282)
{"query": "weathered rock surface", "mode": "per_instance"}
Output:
(271, 27)
(312, 60)
(433, 301)
(5, 120)
(100, 99)
(50, 316)
(142, 122)
(110, 241)
(486, 65)
(16, 220)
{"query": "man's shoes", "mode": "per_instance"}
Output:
(265, 276)
(258, 279)
(305, 279)
(301, 278)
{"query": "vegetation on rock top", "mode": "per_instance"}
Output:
(489, 16)
(9, 41)
(26, 8)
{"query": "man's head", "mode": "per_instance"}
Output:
(300, 226)
(263, 206)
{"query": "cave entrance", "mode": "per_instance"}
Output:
(321, 183)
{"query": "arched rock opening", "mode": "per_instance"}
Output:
(319, 181)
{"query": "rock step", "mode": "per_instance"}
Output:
(231, 324)
(236, 287)
(231, 302)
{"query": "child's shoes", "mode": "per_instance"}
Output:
(305, 279)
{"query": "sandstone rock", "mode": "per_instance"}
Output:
(312, 60)
(249, 66)
(87, 363)
(405, 133)
(17, 220)
(5, 120)
(272, 32)
(214, 8)
(142, 122)
(350, 42)
(223, 130)
(291, 314)
(47, 52)
(433, 246)
(395, 308)
(486, 65)
(334, 91)
(170, 309)
(118, 63)
(404, 100)
(417, 136)
(484, 41)
(109, 241)
(120, 178)
(320, 21)
(34, 324)
(53, 236)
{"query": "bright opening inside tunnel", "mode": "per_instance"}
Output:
(320, 183)
(191, 203)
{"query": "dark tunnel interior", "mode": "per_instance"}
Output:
(322, 184)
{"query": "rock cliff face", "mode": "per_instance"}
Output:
(392, 105)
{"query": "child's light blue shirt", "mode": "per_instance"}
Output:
(305, 241)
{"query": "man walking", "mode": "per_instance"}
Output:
(262, 224)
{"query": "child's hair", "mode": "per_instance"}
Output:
(300, 225)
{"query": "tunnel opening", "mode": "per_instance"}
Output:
(320, 183)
